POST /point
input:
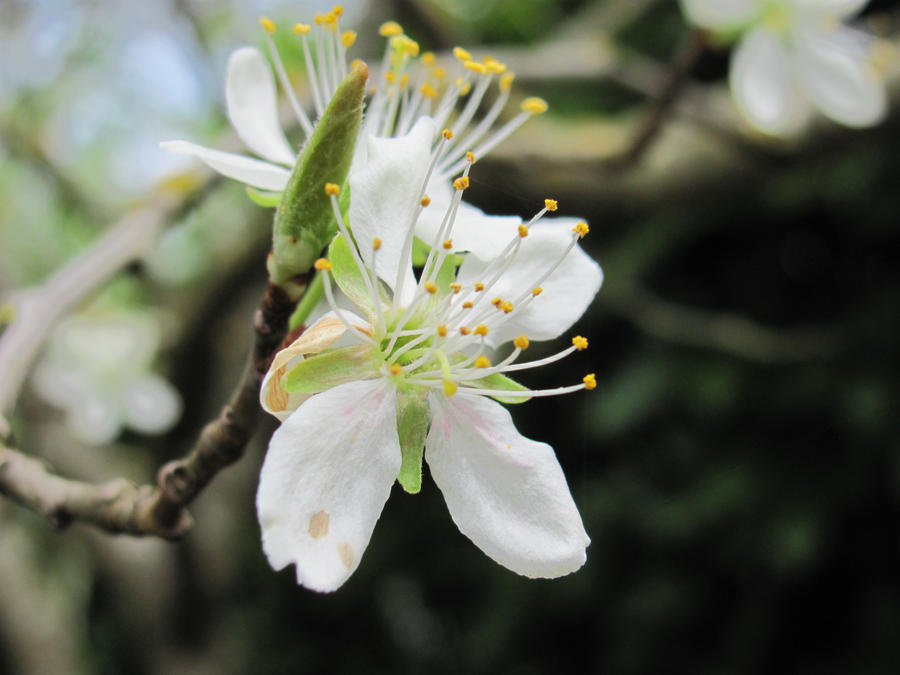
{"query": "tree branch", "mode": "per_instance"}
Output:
(120, 506)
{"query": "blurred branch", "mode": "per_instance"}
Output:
(728, 333)
(34, 311)
(120, 506)
(687, 54)
(23, 145)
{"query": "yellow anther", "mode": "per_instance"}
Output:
(395, 368)
(476, 67)
(319, 19)
(330, 19)
(428, 59)
(428, 91)
(404, 44)
(506, 81)
(447, 134)
(461, 183)
(439, 73)
(390, 76)
(496, 302)
(390, 28)
(461, 54)
(348, 38)
(581, 229)
(404, 80)
(450, 387)
(470, 157)
(521, 342)
(580, 343)
(338, 10)
(534, 105)
(332, 189)
(425, 201)
(479, 287)
(464, 331)
(465, 89)
(376, 244)
(447, 244)
(302, 29)
(494, 66)
(551, 204)
(506, 306)
(481, 330)
(468, 304)
(456, 287)
(267, 24)
(482, 362)
(322, 264)
(536, 291)
(442, 330)
(590, 381)
(431, 287)
(523, 231)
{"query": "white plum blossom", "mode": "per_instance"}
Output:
(409, 85)
(365, 394)
(795, 56)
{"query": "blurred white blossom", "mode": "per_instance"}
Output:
(97, 369)
(795, 56)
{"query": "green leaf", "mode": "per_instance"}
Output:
(304, 221)
(503, 383)
(263, 197)
(346, 273)
(413, 416)
(331, 368)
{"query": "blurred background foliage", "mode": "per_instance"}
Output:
(738, 467)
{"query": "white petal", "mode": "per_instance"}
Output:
(326, 477)
(762, 86)
(245, 169)
(151, 404)
(835, 72)
(505, 492)
(840, 8)
(719, 14)
(96, 417)
(385, 195)
(566, 295)
(473, 230)
(328, 331)
(253, 106)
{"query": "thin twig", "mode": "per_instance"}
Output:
(120, 506)
(686, 56)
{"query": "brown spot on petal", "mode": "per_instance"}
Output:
(318, 525)
(345, 550)
(276, 397)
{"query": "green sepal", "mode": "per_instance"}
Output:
(413, 417)
(304, 221)
(346, 273)
(420, 252)
(331, 368)
(263, 197)
(501, 382)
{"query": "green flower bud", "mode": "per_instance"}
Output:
(304, 221)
